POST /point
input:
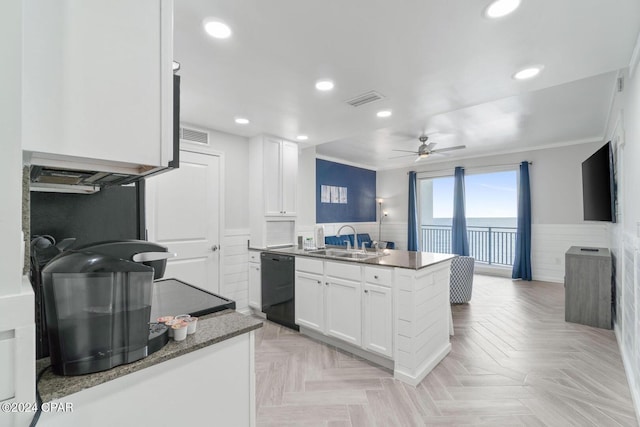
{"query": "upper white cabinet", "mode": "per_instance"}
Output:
(280, 174)
(98, 83)
(273, 169)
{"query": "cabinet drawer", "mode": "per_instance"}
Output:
(254, 256)
(309, 265)
(379, 276)
(344, 271)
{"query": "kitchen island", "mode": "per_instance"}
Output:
(207, 378)
(390, 307)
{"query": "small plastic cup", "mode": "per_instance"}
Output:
(170, 324)
(164, 319)
(182, 317)
(191, 325)
(179, 331)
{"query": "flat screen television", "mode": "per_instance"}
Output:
(598, 186)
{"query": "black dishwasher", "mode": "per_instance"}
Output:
(278, 290)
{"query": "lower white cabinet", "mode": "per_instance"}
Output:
(343, 310)
(346, 301)
(377, 317)
(255, 281)
(309, 299)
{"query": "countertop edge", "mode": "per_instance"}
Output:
(294, 251)
(56, 386)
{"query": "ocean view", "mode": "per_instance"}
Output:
(479, 222)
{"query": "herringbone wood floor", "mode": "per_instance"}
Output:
(514, 361)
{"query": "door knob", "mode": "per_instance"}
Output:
(214, 248)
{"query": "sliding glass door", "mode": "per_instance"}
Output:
(491, 203)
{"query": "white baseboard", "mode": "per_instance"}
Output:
(628, 370)
(424, 369)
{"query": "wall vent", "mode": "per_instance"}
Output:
(365, 98)
(193, 135)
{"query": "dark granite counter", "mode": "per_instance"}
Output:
(212, 328)
(391, 257)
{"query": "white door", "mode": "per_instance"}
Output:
(378, 319)
(343, 302)
(183, 211)
(309, 299)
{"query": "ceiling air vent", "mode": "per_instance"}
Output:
(365, 98)
(193, 135)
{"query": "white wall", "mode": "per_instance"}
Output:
(556, 200)
(306, 191)
(624, 132)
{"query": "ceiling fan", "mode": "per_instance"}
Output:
(425, 150)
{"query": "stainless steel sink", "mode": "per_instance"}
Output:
(347, 254)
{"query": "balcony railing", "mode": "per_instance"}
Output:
(490, 245)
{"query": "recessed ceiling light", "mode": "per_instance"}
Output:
(324, 85)
(383, 113)
(528, 73)
(242, 121)
(302, 137)
(500, 8)
(217, 29)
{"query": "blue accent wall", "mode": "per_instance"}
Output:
(361, 192)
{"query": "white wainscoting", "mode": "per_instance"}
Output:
(627, 255)
(549, 242)
(234, 266)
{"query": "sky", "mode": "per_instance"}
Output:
(487, 195)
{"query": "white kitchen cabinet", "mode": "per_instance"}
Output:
(309, 301)
(98, 84)
(273, 171)
(280, 173)
(255, 281)
(343, 310)
(377, 328)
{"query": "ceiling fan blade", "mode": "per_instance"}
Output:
(400, 157)
(407, 151)
(457, 147)
(418, 159)
(431, 145)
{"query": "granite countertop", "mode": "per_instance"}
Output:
(411, 260)
(211, 329)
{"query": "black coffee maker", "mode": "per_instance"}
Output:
(98, 304)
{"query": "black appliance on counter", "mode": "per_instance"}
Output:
(173, 296)
(278, 290)
(97, 302)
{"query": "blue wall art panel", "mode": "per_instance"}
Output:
(344, 193)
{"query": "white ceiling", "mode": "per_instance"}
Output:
(441, 65)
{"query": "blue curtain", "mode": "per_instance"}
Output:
(412, 240)
(522, 263)
(459, 241)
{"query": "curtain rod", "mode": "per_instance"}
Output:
(473, 167)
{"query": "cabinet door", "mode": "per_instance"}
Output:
(272, 180)
(289, 177)
(255, 286)
(343, 308)
(378, 319)
(98, 80)
(309, 297)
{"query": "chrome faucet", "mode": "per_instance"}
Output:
(355, 236)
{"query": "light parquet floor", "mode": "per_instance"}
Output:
(514, 362)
